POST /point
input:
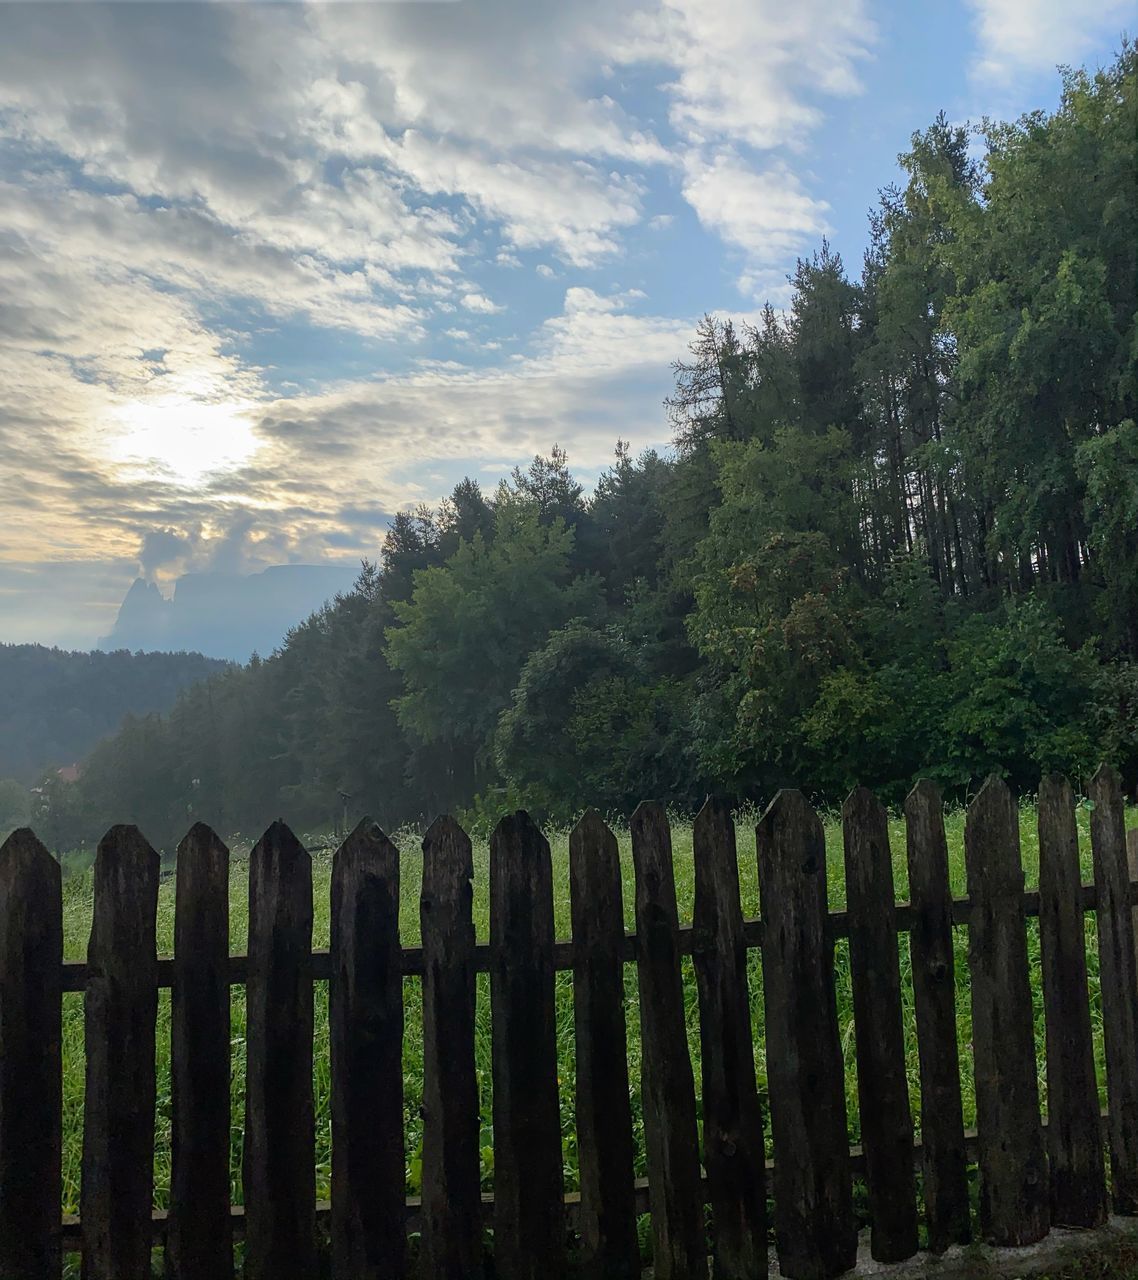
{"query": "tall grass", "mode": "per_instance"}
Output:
(77, 922)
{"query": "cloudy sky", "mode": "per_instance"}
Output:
(270, 271)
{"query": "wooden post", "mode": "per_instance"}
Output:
(452, 1223)
(605, 1150)
(1013, 1165)
(365, 1004)
(1132, 860)
(1074, 1128)
(280, 1138)
(813, 1194)
(668, 1090)
(31, 1062)
(944, 1159)
(732, 1119)
(883, 1086)
(529, 1206)
(1118, 984)
(120, 1006)
(199, 1243)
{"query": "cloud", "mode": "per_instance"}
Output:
(236, 241)
(750, 70)
(478, 302)
(1024, 37)
(767, 215)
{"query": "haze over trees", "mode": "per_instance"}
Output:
(897, 537)
(55, 706)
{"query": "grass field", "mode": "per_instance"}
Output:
(77, 919)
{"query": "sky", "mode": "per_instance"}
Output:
(270, 272)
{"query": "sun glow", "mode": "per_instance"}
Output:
(182, 437)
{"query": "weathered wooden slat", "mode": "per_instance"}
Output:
(883, 1087)
(451, 1215)
(605, 1150)
(198, 1243)
(944, 1165)
(1014, 1197)
(365, 1004)
(1074, 1132)
(1118, 984)
(813, 1196)
(732, 1118)
(529, 1216)
(667, 1087)
(120, 1009)
(280, 1143)
(31, 1062)
(1132, 861)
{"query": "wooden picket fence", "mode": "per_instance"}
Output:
(1031, 1174)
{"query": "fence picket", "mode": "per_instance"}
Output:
(605, 1151)
(883, 1086)
(1074, 1128)
(451, 1219)
(667, 1086)
(365, 1009)
(813, 1196)
(31, 1062)
(280, 1144)
(1118, 984)
(944, 1158)
(120, 1007)
(732, 1119)
(1132, 860)
(529, 1209)
(1013, 1165)
(199, 1243)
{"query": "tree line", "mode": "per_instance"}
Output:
(896, 536)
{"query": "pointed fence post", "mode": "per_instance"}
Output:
(605, 1149)
(452, 1198)
(280, 1134)
(31, 1061)
(944, 1158)
(882, 1082)
(732, 1118)
(1074, 1127)
(813, 1193)
(1014, 1196)
(365, 1010)
(529, 1204)
(1118, 984)
(668, 1089)
(120, 1007)
(199, 1244)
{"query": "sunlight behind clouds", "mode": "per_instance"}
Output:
(181, 437)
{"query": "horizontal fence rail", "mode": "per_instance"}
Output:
(411, 958)
(1069, 1168)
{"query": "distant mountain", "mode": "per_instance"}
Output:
(55, 706)
(225, 615)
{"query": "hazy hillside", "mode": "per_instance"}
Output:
(55, 706)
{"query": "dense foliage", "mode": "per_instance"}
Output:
(897, 535)
(55, 705)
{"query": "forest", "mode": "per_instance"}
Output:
(896, 535)
(55, 705)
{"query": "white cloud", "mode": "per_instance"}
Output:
(1017, 37)
(768, 215)
(747, 69)
(481, 304)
